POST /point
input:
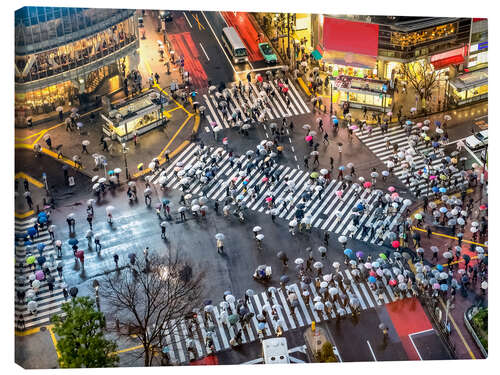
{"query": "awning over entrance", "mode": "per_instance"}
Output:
(454, 60)
(350, 59)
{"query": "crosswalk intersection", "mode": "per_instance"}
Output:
(288, 317)
(376, 142)
(330, 212)
(277, 106)
(49, 303)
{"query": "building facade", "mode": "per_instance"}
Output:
(62, 55)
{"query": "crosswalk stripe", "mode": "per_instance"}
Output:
(225, 341)
(356, 290)
(259, 308)
(284, 303)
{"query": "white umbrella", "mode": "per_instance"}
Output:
(318, 265)
(230, 298)
(109, 209)
(95, 187)
(102, 180)
(71, 215)
(327, 277)
(293, 223)
(319, 306)
(336, 265)
(257, 229)
(195, 208)
(323, 171)
(260, 237)
(181, 209)
(162, 180)
(151, 165)
(299, 261)
(306, 126)
(219, 236)
(118, 170)
(131, 183)
(95, 178)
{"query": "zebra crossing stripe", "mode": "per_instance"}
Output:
(355, 288)
(301, 303)
(284, 303)
(259, 308)
(209, 105)
(225, 342)
(315, 294)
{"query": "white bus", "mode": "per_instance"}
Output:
(234, 45)
(275, 350)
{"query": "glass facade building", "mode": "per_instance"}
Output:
(64, 53)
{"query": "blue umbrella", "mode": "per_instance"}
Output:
(348, 252)
(372, 279)
(284, 279)
(300, 206)
(240, 197)
(435, 144)
(227, 293)
(43, 220)
(27, 242)
(110, 173)
(42, 214)
(31, 231)
(443, 210)
(341, 168)
(335, 121)
(438, 123)
(261, 326)
(360, 207)
(408, 122)
(442, 190)
(448, 159)
(165, 201)
(41, 260)
(439, 267)
(444, 287)
(41, 246)
(73, 241)
(435, 189)
(20, 236)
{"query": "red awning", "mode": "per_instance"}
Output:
(453, 60)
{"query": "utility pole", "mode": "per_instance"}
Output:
(288, 37)
(124, 150)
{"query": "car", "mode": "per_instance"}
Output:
(266, 51)
(477, 140)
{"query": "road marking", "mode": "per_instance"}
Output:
(419, 332)
(205, 52)
(31, 180)
(451, 237)
(418, 353)
(217, 39)
(260, 69)
(197, 19)
(54, 341)
(373, 354)
(187, 19)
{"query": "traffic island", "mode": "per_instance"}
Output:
(321, 347)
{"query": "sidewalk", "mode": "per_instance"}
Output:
(465, 346)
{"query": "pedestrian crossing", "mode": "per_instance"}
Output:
(325, 210)
(287, 315)
(376, 142)
(49, 302)
(277, 107)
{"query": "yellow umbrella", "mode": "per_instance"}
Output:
(427, 138)
(140, 166)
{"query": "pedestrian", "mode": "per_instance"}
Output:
(115, 258)
(326, 238)
(26, 185)
(84, 147)
(48, 140)
(331, 163)
(59, 270)
(216, 206)
(65, 294)
(97, 243)
(325, 138)
(220, 246)
(163, 230)
(89, 219)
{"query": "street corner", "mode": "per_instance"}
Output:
(33, 190)
(36, 349)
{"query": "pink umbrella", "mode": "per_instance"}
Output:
(395, 244)
(339, 193)
(353, 127)
(389, 113)
(269, 199)
(225, 140)
(419, 124)
(309, 138)
(367, 184)
(39, 275)
(235, 179)
(432, 177)
(394, 195)
(436, 286)
(265, 179)
(391, 189)
(392, 282)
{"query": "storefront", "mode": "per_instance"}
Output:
(469, 87)
(360, 92)
(139, 116)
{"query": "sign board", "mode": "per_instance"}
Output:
(71, 181)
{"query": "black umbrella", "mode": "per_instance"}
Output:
(50, 279)
(347, 282)
(306, 279)
(207, 302)
(337, 277)
(416, 236)
(466, 258)
(73, 292)
(300, 206)
(281, 255)
(284, 279)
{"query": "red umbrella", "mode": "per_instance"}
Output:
(265, 179)
(269, 199)
(367, 184)
(395, 244)
(482, 207)
(309, 138)
(285, 89)
(79, 254)
(392, 282)
(259, 78)
(373, 273)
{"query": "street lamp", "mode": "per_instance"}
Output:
(124, 150)
(331, 95)
(95, 284)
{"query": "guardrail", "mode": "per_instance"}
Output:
(468, 315)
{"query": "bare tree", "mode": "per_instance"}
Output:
(151, 298)
(421, 75)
